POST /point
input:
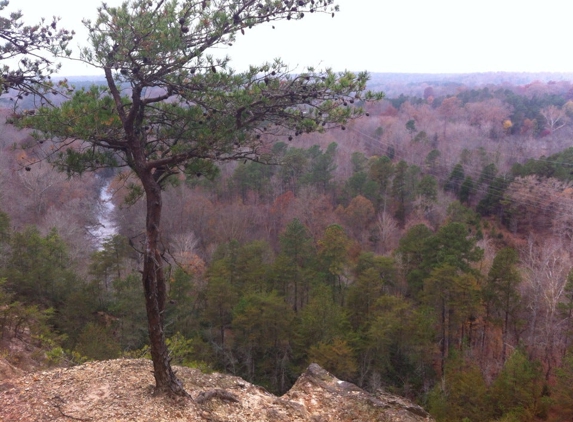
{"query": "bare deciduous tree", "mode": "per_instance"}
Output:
(555, 117)
(547, 264)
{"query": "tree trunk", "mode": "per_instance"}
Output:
(504, 336)
(155, 292)
(444, 343)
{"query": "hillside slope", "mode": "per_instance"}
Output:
(121, 390)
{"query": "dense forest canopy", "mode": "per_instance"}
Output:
(424, 248)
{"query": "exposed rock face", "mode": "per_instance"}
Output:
(326, 398)
(121, 390)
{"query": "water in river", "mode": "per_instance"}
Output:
(106, 226)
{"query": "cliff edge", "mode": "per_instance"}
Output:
(121, 390)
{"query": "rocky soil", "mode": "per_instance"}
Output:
(122, 390)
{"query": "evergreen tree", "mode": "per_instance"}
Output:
(518, 391)
(501, 292)
(421, 252)
(563, 391)
(566, 310)
(184, 110)
(386, 335)
(411, 255)
(455, 299)
(360, 183)
(30, 46)
(492, 203)
(321, 167)
(262, 326)
(432, 160)
(336, 357)
(487, 174)
(381, 171)
(221, 296)
(252, 177)
(252, 266)
(294, 165)
(97, 342)
(183, 310)
(451, 246)
(359, 162)
(333, 259)
(128, 307)
(455, 179)
(399, 192)
(428, 189)
(110, 263)
(18, 319)
(38, 269)
(466, 190)
(373, 276)
(4, 227)
(463, 395)
(321, 321)
(294, 266)
(411, 128)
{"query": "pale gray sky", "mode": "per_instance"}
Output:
(415, 36)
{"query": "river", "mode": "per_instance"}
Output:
(106, 226)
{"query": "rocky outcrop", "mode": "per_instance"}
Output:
(326, 398)
(121, 390)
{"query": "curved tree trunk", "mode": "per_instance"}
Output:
(155, 291)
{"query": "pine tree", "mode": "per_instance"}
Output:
(455, 179)
(32, 46)
(333, 259)
(466, 190)
(518, 391)
(294, 266)
(563, 391)
(399, 192)
(168, 109)
(501, 292)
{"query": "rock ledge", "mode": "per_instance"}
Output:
(121, 390)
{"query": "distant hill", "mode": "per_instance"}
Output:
(413, 84)
(392, 84)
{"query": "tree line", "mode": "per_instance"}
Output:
(408, 269)
(388, 279)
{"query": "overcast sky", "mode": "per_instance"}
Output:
(414, 36)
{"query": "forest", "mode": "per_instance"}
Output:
(424, 249)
